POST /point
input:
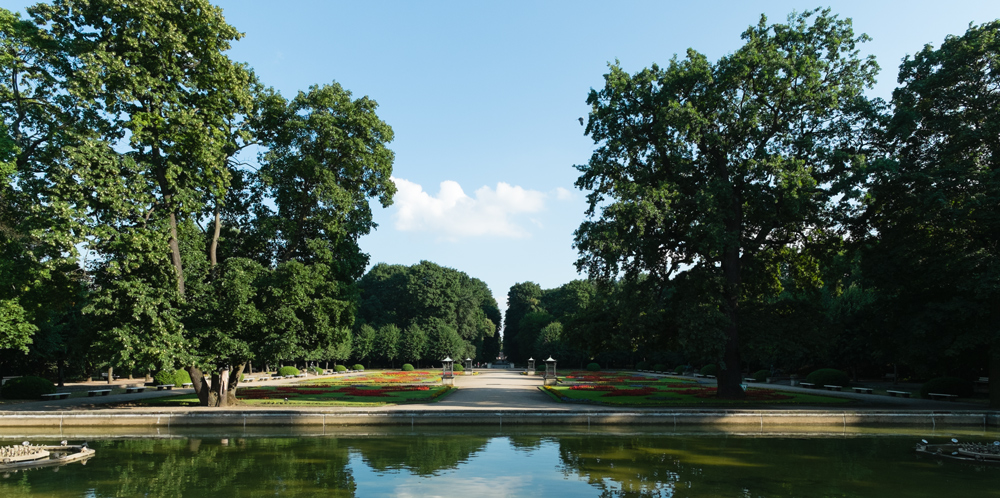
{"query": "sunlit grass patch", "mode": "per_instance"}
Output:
(382, 377)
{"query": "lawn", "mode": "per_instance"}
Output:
(618, 389)
(388, 377)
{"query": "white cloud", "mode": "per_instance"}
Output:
(563, 194)
(453, 214)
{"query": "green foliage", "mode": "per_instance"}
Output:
(359, 367)
(962, 388)
(459, 367)
(703, 166)
(710, 369)
(761, 375)
(828, 377)
(181, 377)
(15, 330)
(340, 368)
(642, 365)
(164, 377)
(407, 367)
(315, 370)
(289, 370)
(593, 367)
(27, 387)
(680, 369)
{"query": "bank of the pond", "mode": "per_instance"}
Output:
(930, 419)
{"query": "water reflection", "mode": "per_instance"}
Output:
(513, 464)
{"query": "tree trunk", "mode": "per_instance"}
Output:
(221, 390)
(994, 372)
(215, 236)
(111, 377)
(728, 379)
(175, 254)
(62, 377)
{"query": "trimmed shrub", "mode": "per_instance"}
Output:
(358, 367)
(407, 367)
(340, 368)
(642, 366)
(165, 377)
(593, 367)
(660, 367)
(315, 370)
(828, 377)
(947, 385)
(283, 371)
(710, 369)
(459, 367)
(27, 387)
(182, 377)
(680, 369)
(761, 375)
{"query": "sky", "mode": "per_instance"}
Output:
(484, 99)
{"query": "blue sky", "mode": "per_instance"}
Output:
(484, 99)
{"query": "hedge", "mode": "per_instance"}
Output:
(358, 367)
(27, 387)
(459, 367)
(407, 367)
(761, 375)
(283, 371)
(948, 385)
(593, 367)
(642, 366)
(828, 377)
(340, 368)
(710, 369)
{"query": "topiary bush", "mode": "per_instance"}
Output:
(283, 371)
(593, 367)
(164, 377)
(459, 367)
(340, 368)
(947, 385)
(407, 367)
(660, 367)
(27, 387)
(358, 367)
(761, 375)
(680, 369)
(642, 366)
(182, 377)
(828, 377)
(315, 370)
(710, 369)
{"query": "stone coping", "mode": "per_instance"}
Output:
(745, 418)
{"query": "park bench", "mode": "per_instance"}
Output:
(289, 376)
(168, 387)
(130, 390)
(303, 374)
(99, 392)
(55, 396)
(248, 379)
(942, 396)
(749, 379)
(698, 375)
(832, 387)
(710, 376)
(862, 390)
(105, 376)
(187, 385)
(898, 393)
(808, 385)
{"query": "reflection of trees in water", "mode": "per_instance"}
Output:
(746, 466)
(422, 456)
(526, 443)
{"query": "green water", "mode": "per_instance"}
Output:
(521, 463)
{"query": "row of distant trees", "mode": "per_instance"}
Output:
(759, 211)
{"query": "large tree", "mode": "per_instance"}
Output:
(706, 164)
(932, 205)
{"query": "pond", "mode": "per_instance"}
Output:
(521, 462)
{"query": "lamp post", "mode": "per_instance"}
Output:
(531, 366)
(448, 372)
(550, 372)
(468, 366)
